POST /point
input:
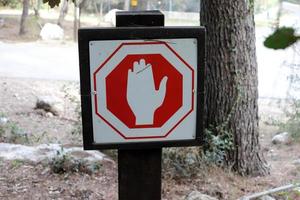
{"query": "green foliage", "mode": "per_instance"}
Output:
(61, 163)
(282, 38)
(217, 146)
(12, 133)
(16, 163)
(182, 162)
(65, 163)
(218, 142)
(67, 90)
(2, 131)
(292, 125)
(10, 3)
(289, 195)
(191, 161)
(17, 135)
(53, 3)
(292, 108)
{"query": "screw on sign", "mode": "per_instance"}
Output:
(144, 90)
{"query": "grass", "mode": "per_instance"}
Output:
(11, 132)
(289, 195)
(16, 164)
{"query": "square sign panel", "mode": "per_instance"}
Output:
(141, 87)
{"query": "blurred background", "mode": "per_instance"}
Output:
(32, 21)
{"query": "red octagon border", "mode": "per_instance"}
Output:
(142, 43)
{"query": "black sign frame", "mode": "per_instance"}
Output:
(85, 35)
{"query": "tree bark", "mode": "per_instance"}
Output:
(231, 81)
(76, 19)
(37, 8)
(24, 17)
(126, 4)
(279, 13)
(62, 13)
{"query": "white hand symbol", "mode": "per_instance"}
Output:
(142, 96)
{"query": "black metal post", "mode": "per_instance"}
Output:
(139, 174)
(140, 169)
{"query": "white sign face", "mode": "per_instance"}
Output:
(143, 90)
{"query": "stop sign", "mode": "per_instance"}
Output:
(116, 90)
(143, 90)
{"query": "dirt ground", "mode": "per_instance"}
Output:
(28, 181)
(18, 100)
(21, 180)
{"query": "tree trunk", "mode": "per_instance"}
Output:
(62, 13)
(231, 81)
(37, 8)
(24, 17)
(81, 5)
(279, 13)
(76, 17)
(126, 4)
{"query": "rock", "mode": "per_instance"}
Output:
(50, 104)
(296, 162)
(297, 189)
(266, 197)
(44, 152)
(49, 114)
(195, 195)
(282, 138)
(3, 121)
(52, 32)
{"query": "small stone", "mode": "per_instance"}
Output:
(282, 138)
(296, 162)
(195, 195)
(16, 95)
(266, 197)
(49, 114)
(3, 121)
(45, 171)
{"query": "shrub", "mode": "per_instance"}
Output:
(72, 98)
(12, 133)
(193, 161)
(63, 162)
(10, 3)
(217, 146)
(17, 135)
(182, 162)
(292, 125)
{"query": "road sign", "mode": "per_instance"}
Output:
(144, 90)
